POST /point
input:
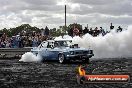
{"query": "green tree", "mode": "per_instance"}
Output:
(24, 27)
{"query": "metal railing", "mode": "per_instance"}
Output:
(13, 52)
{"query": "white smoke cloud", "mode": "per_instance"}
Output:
(30, 57)
(108, 46)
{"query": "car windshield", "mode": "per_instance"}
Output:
(62, 43)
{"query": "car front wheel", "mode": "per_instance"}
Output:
(61, 58)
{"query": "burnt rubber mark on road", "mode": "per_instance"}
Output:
(50, 74)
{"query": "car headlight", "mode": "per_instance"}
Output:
(71, 52)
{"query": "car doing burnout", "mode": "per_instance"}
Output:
(62, 51)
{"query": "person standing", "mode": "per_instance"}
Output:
(111, 27)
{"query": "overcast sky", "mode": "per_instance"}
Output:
(51, 12)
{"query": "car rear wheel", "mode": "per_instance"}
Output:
(61, 58)
(40, 59)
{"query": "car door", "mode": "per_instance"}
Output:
(43, 49)
(50, 53)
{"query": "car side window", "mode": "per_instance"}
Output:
(44, 45)
(50, 44)
(56, 44)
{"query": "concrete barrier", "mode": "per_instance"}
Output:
(13, 52)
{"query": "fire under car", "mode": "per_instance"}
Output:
(62, 51)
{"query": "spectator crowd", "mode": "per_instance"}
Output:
(23, 39)
(33, 39)
(20, 41)
(94, 32)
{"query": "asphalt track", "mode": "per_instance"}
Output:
(15, 74)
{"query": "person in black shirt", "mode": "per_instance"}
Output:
(111, 27)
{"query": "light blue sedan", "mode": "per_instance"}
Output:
(62, 51)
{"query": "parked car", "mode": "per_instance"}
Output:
(62, 51)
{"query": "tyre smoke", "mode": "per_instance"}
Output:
(30, 57)
(111, 45)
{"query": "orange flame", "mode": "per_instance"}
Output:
(81, 71)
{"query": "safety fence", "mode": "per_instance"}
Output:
(13, 52)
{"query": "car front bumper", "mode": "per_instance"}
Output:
(78, 56)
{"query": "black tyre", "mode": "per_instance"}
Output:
(40, 57)
(61, 58)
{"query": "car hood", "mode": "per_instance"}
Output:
(35, 49)
(70, 49)
(61, 49)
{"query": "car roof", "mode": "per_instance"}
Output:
(57, 40)
(48, 41)
(63, 40)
